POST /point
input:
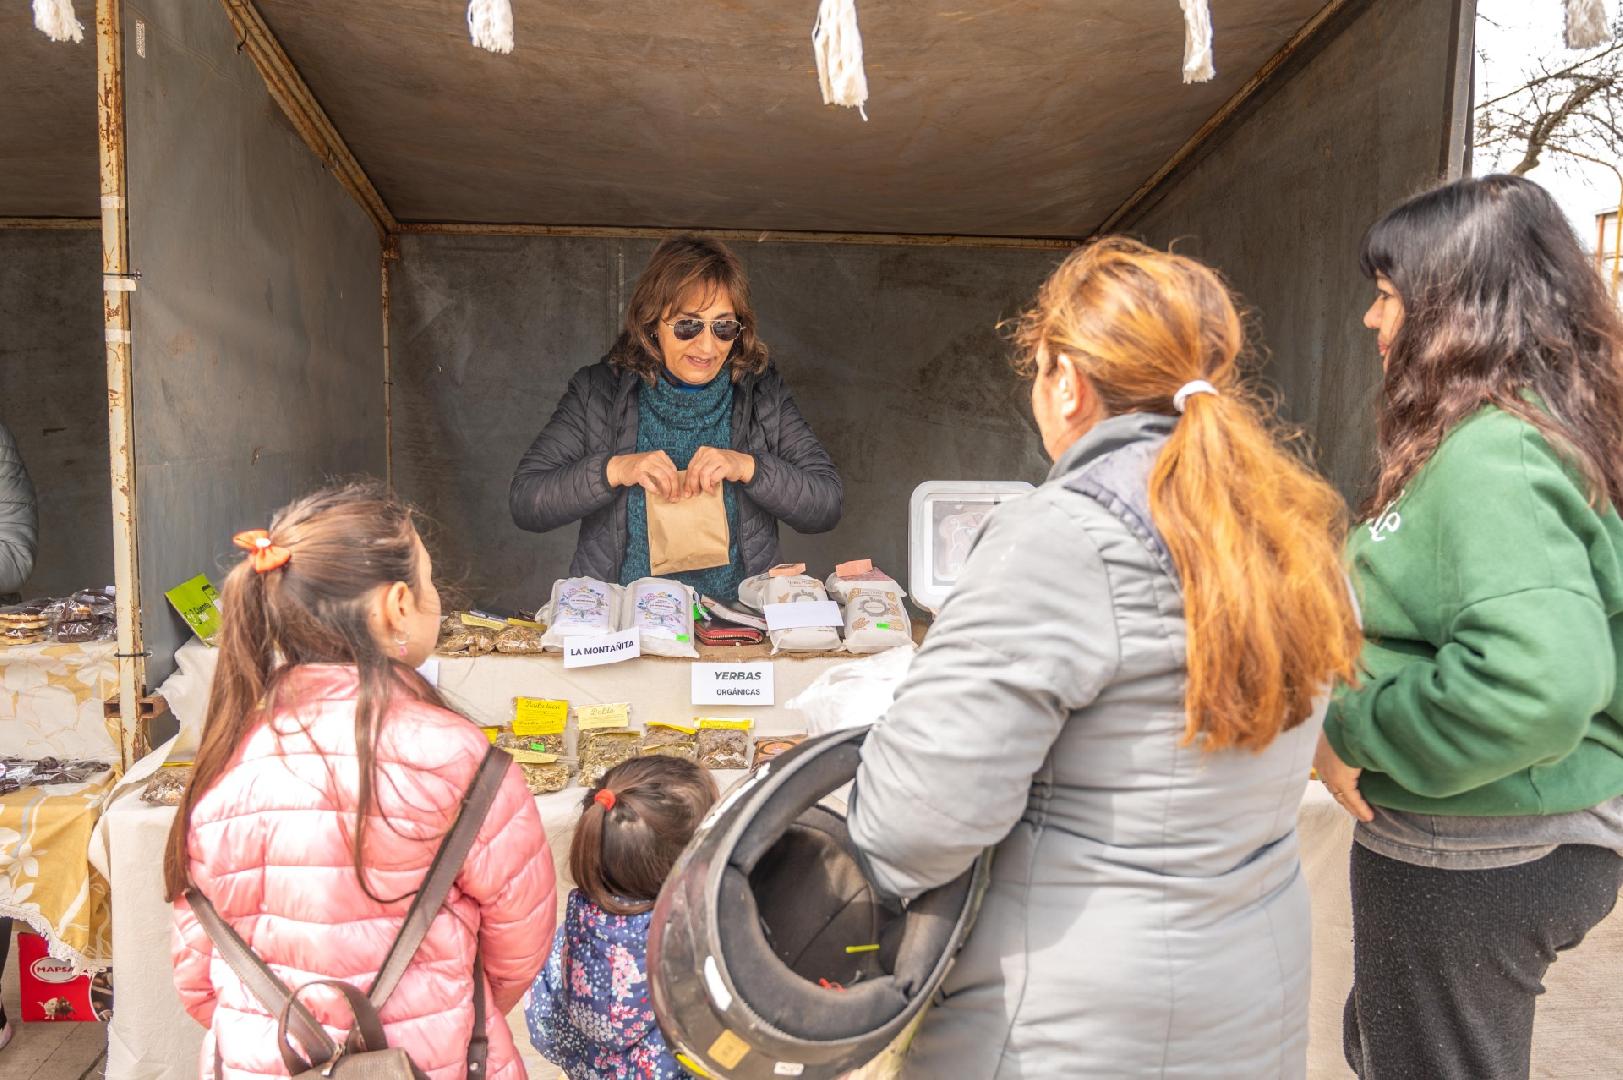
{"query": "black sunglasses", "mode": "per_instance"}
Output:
(688, 329)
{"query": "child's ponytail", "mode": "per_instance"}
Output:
(632, 828)
(340, 544)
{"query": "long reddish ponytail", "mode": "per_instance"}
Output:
(1256, 535)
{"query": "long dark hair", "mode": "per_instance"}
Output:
(346, 542)
(1500, 305)
(677, 266)
(622, 854)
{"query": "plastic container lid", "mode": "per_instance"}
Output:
(944, 517)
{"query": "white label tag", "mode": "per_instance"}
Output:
(795, 616)
(732, 684)
(601, 649)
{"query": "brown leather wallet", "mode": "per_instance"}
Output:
(715, 633)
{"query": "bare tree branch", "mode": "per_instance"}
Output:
(1549, 76)
(1563, 109)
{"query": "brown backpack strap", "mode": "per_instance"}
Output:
(431, 896)
(442, 873)
(479, 1043)
(365, 1036)
(272, 993)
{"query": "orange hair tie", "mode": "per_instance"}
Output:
(604, 798)
(264, 555)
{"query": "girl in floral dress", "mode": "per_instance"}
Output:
(590, 1012)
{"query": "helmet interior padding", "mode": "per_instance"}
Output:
(797, 900)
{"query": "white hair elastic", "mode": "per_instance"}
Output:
(1189, 390)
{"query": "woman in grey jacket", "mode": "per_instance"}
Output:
(1123, 694)
(687, 388)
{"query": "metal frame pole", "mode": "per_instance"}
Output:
(117, 285)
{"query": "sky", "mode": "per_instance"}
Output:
(1526, 30)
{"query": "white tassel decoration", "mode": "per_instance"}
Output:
(1197, 41)
(837, 44)
(1586, 24)
(55, 19)
(490, 24)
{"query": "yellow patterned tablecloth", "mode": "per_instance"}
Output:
(46, 879)
(51, 701)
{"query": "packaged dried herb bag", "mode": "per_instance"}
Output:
(725, 744)
(671, 740)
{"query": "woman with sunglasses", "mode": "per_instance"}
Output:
(686, 388)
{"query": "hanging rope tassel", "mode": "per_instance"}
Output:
(837, 44)
(55, 19)
(490, 24)
(1197, 41)
(1586, 24)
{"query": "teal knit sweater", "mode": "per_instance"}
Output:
(678, 419)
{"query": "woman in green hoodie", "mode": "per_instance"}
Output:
(1482, 752)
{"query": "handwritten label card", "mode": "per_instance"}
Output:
(539, 716)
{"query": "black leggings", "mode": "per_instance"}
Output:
(1447, 963)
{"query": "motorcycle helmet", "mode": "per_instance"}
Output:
(771, 954)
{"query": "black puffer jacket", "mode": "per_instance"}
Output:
(563, 476)
(19, 519)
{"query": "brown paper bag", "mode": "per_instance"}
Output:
(686, 535)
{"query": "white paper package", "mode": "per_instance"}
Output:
(752, 591)
(663, 611)
(582, 607)
(800, 589)
(875, 620)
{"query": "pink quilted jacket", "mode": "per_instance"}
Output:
(270, 847)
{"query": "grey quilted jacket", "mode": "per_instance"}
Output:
(562, 477)
(1147, 914)
(19, 521)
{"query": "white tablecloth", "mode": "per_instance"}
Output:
(52, 701)
(151, 1037)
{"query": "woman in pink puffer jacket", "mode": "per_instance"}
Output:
(295, 753)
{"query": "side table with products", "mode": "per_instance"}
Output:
(58, 750)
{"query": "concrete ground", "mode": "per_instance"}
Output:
(56, 1051)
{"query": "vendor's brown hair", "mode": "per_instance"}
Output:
(346, 542)
(678, 267)
(1255, 534)
(621, 855)
(1500, 307)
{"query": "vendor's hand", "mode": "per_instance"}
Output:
(709, 467)
(654, 472)
(1341, 780)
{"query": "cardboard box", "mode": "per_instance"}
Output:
(50, 989)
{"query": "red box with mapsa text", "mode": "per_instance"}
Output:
(50, 989)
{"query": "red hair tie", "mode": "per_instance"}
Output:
(264, 555)
(604, 798)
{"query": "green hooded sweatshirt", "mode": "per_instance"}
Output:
(1492, 596)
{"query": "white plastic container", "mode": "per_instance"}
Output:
(944, 517)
